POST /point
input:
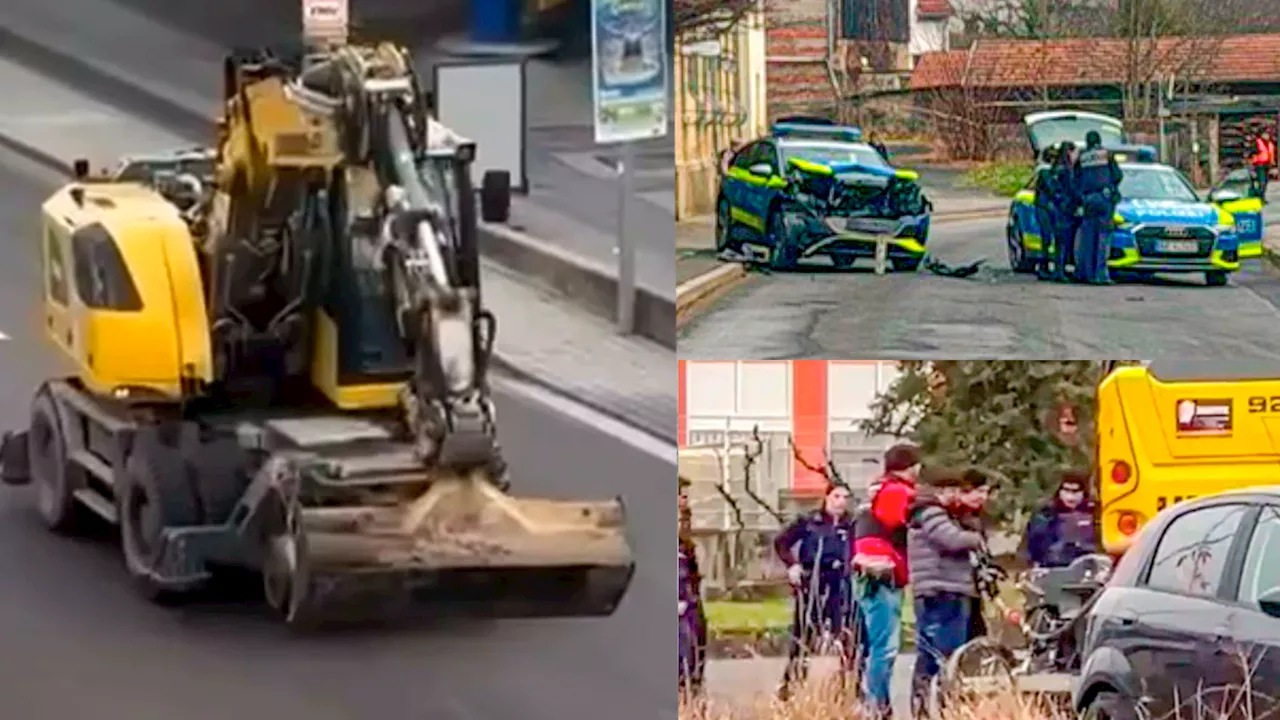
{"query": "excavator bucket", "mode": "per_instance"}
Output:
(462, 546)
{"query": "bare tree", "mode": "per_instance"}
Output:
(690, 17)
(963, 106)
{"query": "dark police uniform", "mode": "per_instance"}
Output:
(1046, 214)
(823, 544)
(1062, 178)
(1098, 183)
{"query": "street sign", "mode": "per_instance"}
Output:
(325, 22)
(630, 69)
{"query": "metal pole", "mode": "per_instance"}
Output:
(626, 247)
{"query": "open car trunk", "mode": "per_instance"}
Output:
(1048, 129)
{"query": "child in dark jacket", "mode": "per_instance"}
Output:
(939, 548)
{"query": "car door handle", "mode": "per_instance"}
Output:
(1126, 619)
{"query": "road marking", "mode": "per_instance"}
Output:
(594, 419)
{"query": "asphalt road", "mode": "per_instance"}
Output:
(78, 643)
(821, 313)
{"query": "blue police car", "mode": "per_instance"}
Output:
(816, 189)
(1161, 224)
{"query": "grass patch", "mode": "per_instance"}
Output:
(739, 617)
(1000, 178)
(731, 616)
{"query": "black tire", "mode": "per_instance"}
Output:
(51, 472)
(152, 494)
(1109, 705)
(1018, 260)
(495, 196)
(1216, 278)
(724, 226)
(783, 255)
(980, 666)
(905, 264)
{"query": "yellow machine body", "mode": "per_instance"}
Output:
(123, 297)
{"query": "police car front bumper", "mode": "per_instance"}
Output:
(1145, 252)
(906, 241)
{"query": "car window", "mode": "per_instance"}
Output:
(766, 154)
(835, 153)
(743, 158)
(1261, 575)
(1155, 183)
(1192, 553)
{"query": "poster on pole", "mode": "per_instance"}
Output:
(325, 22)
(630, 69)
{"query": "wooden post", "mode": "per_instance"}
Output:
(1214, 157)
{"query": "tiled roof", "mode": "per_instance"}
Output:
(934, 9)
(1098, 61)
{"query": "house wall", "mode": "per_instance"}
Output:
(719, 102)
(816, 404)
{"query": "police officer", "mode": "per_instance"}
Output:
(1046, 210)
(1062, 179)
(1066, 527)
(1098, 182)
(816, 548)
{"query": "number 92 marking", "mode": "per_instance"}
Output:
(1260, 404)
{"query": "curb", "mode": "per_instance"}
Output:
(703, 289)
(515, 372)
(1270, 254)
(594, 288)
(588, 284)
(963, 215)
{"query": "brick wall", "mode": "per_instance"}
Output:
(796, 45)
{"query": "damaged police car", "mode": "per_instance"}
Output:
(815, 189)
(1161, 225)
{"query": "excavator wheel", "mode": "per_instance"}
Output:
(495, 196)
(51, 471)
(152, 494)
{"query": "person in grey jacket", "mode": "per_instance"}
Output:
(939, 547)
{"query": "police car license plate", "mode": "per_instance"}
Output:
(1178, 246)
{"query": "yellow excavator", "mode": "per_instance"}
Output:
(281, 364)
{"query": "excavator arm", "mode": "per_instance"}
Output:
(289, 130)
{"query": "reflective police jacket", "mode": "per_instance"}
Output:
(1097, 173)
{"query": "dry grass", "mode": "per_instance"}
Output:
(823, 700)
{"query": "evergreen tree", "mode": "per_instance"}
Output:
(1020, 422)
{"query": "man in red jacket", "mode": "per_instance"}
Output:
(1264, 156)
(880, 561)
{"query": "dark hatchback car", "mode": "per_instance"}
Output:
(1189, 625)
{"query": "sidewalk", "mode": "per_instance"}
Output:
(746, 681)
(539, 335)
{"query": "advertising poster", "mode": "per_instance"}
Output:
(629, 64)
